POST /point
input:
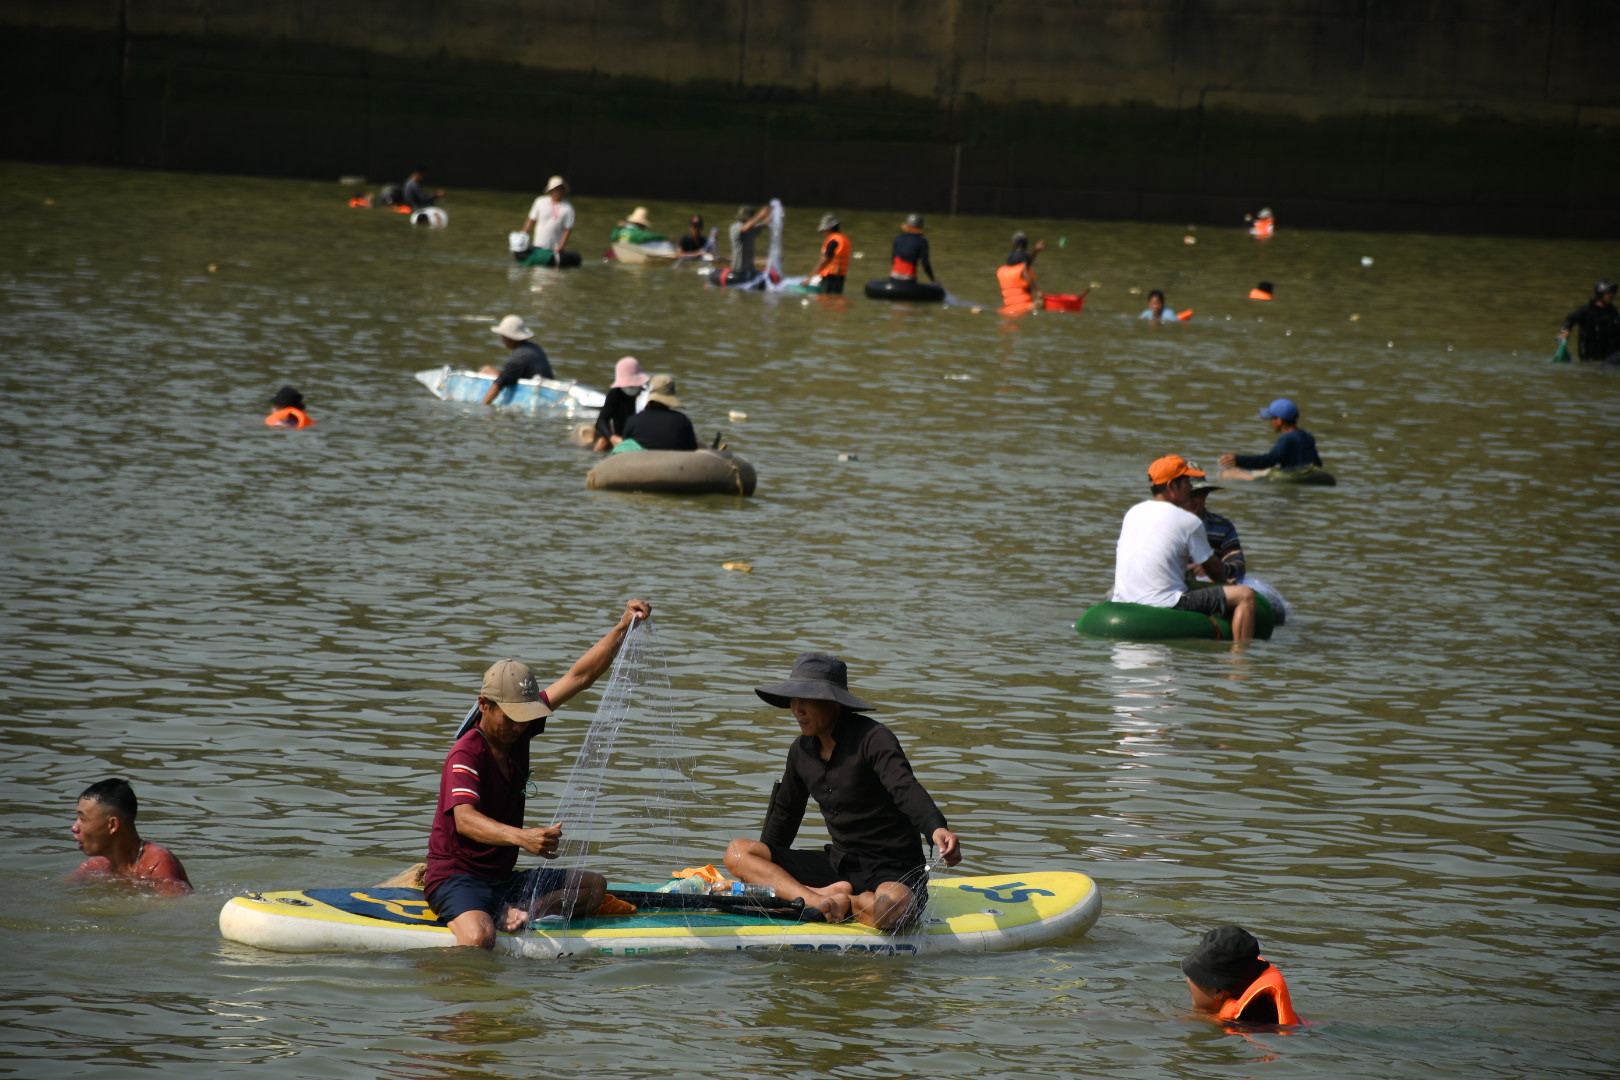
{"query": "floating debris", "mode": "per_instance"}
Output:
(849, 457)
(1366, 260)
(740, 567)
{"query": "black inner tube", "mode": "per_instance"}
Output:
(890, 289)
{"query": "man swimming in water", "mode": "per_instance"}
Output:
(104, 826)
(875, 810)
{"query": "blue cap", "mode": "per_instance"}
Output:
(1281, 409)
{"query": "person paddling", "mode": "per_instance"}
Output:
(874, 808)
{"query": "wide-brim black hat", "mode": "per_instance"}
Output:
(817, 677)
(1228, 958)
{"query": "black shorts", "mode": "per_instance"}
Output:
(815, 869)
(461, 893)
(832, 285)
(1210, 601)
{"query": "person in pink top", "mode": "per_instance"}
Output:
(104, 826)
(478, 825)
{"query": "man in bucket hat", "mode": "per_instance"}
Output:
(874, 808)
(524, 359)
(1160, 538)
(1227, 977)
(478, 824)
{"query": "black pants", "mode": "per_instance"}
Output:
(832, 285)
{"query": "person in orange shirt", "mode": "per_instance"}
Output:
(1017, 276)
(1229, 979)
(104, 826)
(1263, 225)
(288, 410)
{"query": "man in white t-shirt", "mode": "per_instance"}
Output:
(1159, 539)
(551, 217)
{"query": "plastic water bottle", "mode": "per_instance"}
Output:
(739, 889)
(692, 885)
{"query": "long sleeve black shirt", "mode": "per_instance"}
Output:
(873, 806)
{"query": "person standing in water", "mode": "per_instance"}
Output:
(1599, 325)
(834, 265)
(104, 826)
(1294, 449)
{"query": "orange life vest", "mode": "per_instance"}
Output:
(1016, 294)
(1269, 984)
(840, 258)
(1262, 227)
(289, 417)
(1259, 294)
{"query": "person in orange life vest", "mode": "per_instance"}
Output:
(288, 410)
(1262, 291)
(910, 251)
(104, 826)
(1263, 226)
(1229, 979)
(834, 265)
(1017, 276)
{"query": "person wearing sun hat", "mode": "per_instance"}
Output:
(478, 823)
(525, 359)
(1228, 978)
(622, 402)
(1294, 449)
(660, 425)
(552, 220)
(1221, 533)
(636, 229)
(1160, 538)
(875, 811)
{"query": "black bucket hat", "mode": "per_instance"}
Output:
(818, 677)
(1228, 958)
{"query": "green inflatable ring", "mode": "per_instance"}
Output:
(1144, 622)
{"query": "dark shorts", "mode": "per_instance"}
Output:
(815, 869)
(1210, 601)
(461, 893)
(832, 285)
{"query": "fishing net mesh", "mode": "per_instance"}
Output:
(630, 808)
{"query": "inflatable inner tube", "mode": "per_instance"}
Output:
(1144, 622)
(915, 291)
(1310, 474)
(539, 257)
(677, 472)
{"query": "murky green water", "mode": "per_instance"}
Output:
(1407, 794)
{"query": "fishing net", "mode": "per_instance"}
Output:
(631, 812)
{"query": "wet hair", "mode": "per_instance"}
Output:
(287, 398)
(116, 795)
(1160, 294)
(1265, 286)
(696, 220)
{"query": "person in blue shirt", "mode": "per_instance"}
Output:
(1294, 449)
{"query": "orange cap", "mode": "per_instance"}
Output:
(1169, 468)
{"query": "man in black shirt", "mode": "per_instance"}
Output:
(526, 360)
(874, 808)
(694, 244)
(658, 426)
(414, 195)
(1599, 322)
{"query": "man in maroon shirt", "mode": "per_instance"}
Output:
(478, 826)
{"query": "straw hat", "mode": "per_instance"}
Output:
(662, 390)
(512, 327)
(638, 216)
(554, 183)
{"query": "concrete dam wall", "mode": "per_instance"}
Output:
(1473, 116)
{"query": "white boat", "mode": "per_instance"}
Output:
(659, 251)
(458, 384)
